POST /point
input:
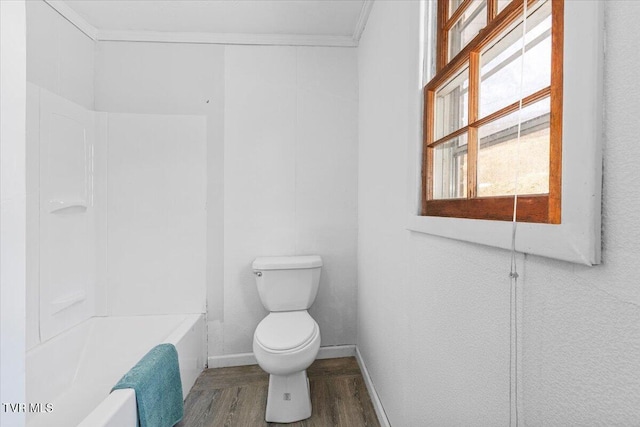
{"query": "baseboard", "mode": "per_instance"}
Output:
(224, 361)
(377, 404)
(243, 359)
(335, 351)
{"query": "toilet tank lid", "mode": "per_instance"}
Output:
(287, 262)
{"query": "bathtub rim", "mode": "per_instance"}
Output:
(123, 402)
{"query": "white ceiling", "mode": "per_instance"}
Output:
(271, 17)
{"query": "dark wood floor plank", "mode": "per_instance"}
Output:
(325, 403)
(225, 408)
(355, 408)
(236, 397)
(251, 405)
(197, 408)
(334, 367)
(369, 412)
(231, 377)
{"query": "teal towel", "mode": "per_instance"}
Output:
(156, 380)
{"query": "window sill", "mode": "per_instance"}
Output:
(559, 241)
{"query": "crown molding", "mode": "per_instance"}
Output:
(362, 20)
(96, 34)
(73, 17)
(227, 38)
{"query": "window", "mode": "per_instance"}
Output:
(577, 237)
(473, 114)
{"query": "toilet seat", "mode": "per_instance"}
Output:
(286, 331)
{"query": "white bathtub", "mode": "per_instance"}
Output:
(76, 370)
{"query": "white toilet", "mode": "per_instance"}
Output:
(287, 341)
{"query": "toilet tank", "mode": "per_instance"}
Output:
(287, 283)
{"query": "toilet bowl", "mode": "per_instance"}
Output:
(287, 341)
(285, 344)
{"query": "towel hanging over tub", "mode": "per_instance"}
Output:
(156, 381)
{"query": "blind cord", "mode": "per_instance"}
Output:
(513, 271)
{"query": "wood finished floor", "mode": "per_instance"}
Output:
(237, 397)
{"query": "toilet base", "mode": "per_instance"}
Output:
(289, 399)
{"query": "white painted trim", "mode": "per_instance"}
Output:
(227, 39)
(213, 38)
(336, 351)
(227, 360)
(73, 17)
(373, 394)
(362, 20)
(13, 207)
(243, 359)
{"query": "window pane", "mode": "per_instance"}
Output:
(452, 105)
(497, 153)
(468, 25)
(450, 169)
(502, 4)
(453, 6)
(501, 64)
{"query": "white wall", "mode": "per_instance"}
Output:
(60, 58)
(168, 78)
(13, 205)
(156, 225)
(437, 342)
(273, 114)
(582, 325)
(290, 180)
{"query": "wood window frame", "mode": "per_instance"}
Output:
(542, 208)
